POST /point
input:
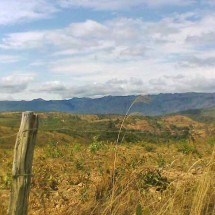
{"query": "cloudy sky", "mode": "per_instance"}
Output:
(59, 49)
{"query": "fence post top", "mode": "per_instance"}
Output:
(28, 112)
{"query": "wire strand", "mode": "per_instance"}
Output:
(79, 131)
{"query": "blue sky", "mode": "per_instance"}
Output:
(59, 49)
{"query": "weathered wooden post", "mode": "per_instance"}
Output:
(22, 164)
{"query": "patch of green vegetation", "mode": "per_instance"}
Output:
(105, 127)
(53, 150)
(211, 140)
(11, 120)
(186, 148)
(152, 178)
(161, 161)
(201, 115)
(95, 145)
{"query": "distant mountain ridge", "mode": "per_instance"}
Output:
(160, 104)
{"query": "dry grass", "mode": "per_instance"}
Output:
(149, 179)
(78, 181)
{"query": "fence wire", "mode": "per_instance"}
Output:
(77, 131)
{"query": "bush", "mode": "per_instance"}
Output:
(95, 145)
(186, 148)
(161, 162)
(53, 150)
(152, 178)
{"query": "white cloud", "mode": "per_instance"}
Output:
(23, 40)
(6, 97)
(111, 52)
(51, 87)
(129, 86)
(183, 83)
(120, 37)
(110, 87)
(121, 4)
(85, 29)
(206, 38)
(15, 83)
(194, 61)
(210, 2)
(88, 69)
(8, 59)
(13, 11)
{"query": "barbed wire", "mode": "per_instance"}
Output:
(83, 131)
(73, 130)
(90, 131)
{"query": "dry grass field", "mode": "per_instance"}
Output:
(160, 165)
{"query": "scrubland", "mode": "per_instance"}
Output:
(159, 166)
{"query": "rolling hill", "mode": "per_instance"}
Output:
(160, 159)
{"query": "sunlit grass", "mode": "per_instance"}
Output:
(74, 176)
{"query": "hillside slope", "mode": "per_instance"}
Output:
(201, 115)
(160, 104)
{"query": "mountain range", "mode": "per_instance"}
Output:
(159, 104)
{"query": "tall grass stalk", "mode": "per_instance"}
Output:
(138, 99)
(204, 186)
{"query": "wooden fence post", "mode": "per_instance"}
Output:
(22, 164)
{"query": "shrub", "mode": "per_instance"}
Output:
(79, 164)
(77, 147)
(95, 145)
(161, 162)
(5, 181)
(53, 150)
(152, 178)
(186, 148)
